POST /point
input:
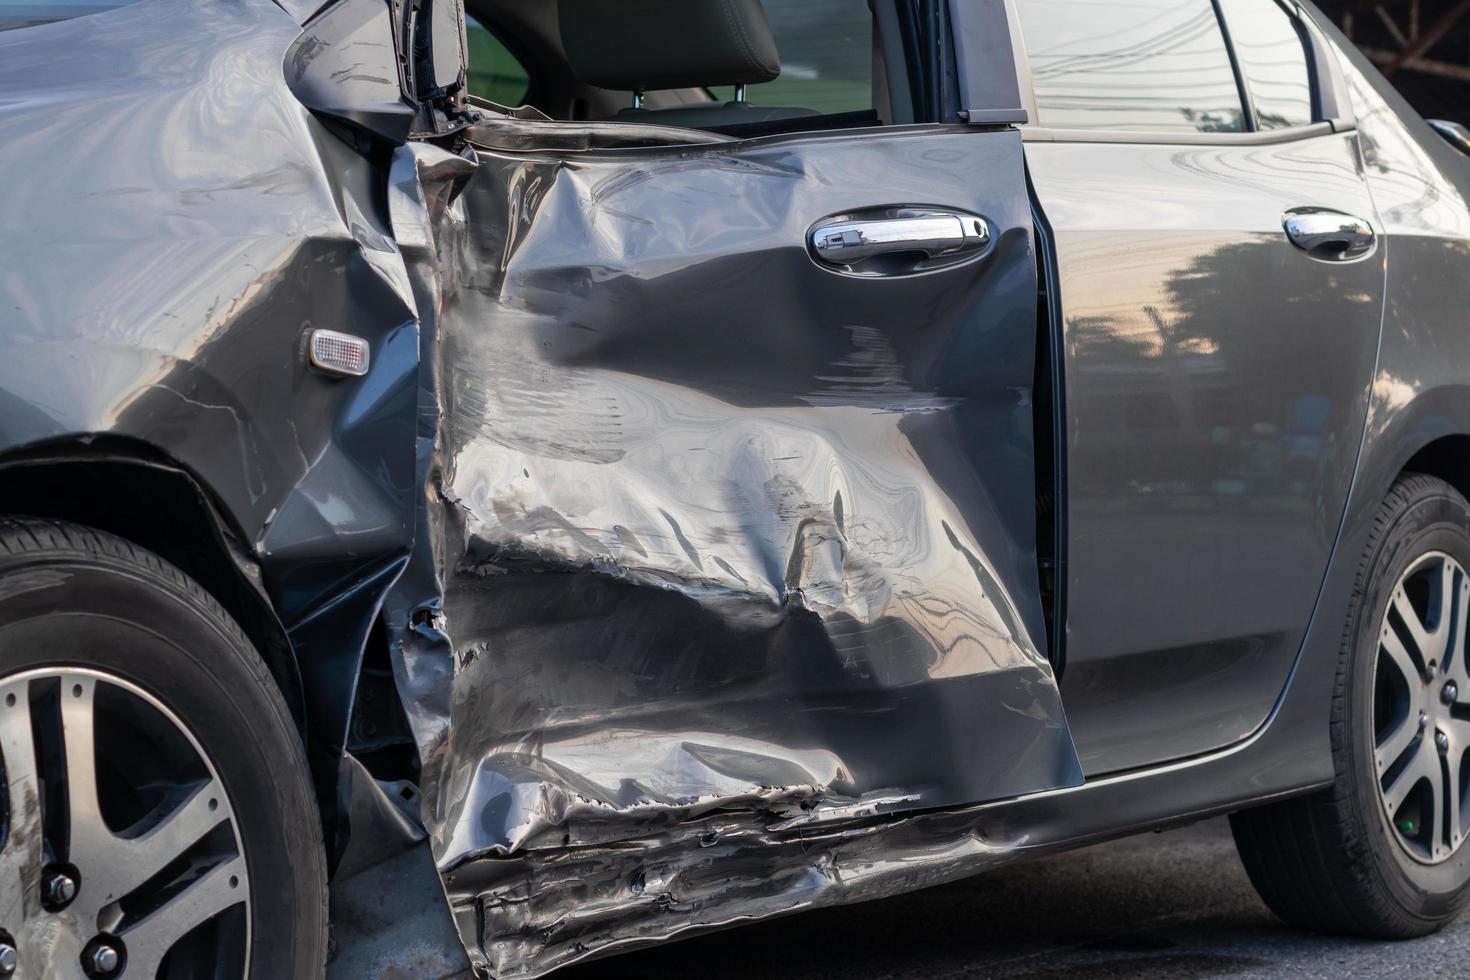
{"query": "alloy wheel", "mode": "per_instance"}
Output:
(1421, 713)
(121, 850)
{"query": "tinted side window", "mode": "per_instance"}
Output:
(15, 14)
(826, 51)
(1273, 57)
(493, 73)
(1152, 65)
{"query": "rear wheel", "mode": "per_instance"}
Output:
(158, 820)
(1381, 853)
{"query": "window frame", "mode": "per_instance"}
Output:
(1331, 112)
(988, 88)
(892, 21)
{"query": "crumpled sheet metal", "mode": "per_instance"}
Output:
(549, 909)
(700, 555)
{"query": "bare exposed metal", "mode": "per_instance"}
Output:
(117, 871)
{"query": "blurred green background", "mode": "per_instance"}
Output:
(494, 73)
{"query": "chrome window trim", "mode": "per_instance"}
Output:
(1041, 134)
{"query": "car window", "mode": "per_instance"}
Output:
(14, 13)
(1273, 58)
(493, 73)
(826, 49)
(1143, 65)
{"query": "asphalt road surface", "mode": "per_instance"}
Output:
(1174, 905)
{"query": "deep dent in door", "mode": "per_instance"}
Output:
(726, 563)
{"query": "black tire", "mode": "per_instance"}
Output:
(1330, 862)
(73, 596)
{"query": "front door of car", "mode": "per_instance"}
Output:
(736, 448)
(1220, 297)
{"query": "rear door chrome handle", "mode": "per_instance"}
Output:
(910, 238)
(1329, 236)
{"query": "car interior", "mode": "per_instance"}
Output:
(734, 67)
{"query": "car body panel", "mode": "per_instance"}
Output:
(716, 529)
(1211, 430)
(661, 680)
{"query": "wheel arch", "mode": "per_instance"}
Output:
(132, 490)
(1424, 430)
(1447, 458)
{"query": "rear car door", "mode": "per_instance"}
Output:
(1220, 289)
(737, 464)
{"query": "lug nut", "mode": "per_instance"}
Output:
(1450, 693)
(104, 959)
(60, 888)
(1442, 740)
(9, 960)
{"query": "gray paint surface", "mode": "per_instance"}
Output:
(721, 594)
(1216, 383)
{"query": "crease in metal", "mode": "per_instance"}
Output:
(711, 601)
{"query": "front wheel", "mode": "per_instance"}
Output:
(159, 822)
(1382, 852)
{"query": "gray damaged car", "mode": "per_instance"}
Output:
(671, 464)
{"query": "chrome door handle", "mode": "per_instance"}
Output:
(1329, 236)
(921, 235)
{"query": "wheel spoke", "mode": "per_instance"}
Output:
(1421, 641)
(1424, 765)
(1459, 731)
(1455, 667)
(1433, 814)
(1444, 599)
(1403, 661)
(134, 860)
(149, 940)
(1393, 745)
(21, 859)
(1451, 778)
(84, 816)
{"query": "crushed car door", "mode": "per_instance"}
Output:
(735, 485)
